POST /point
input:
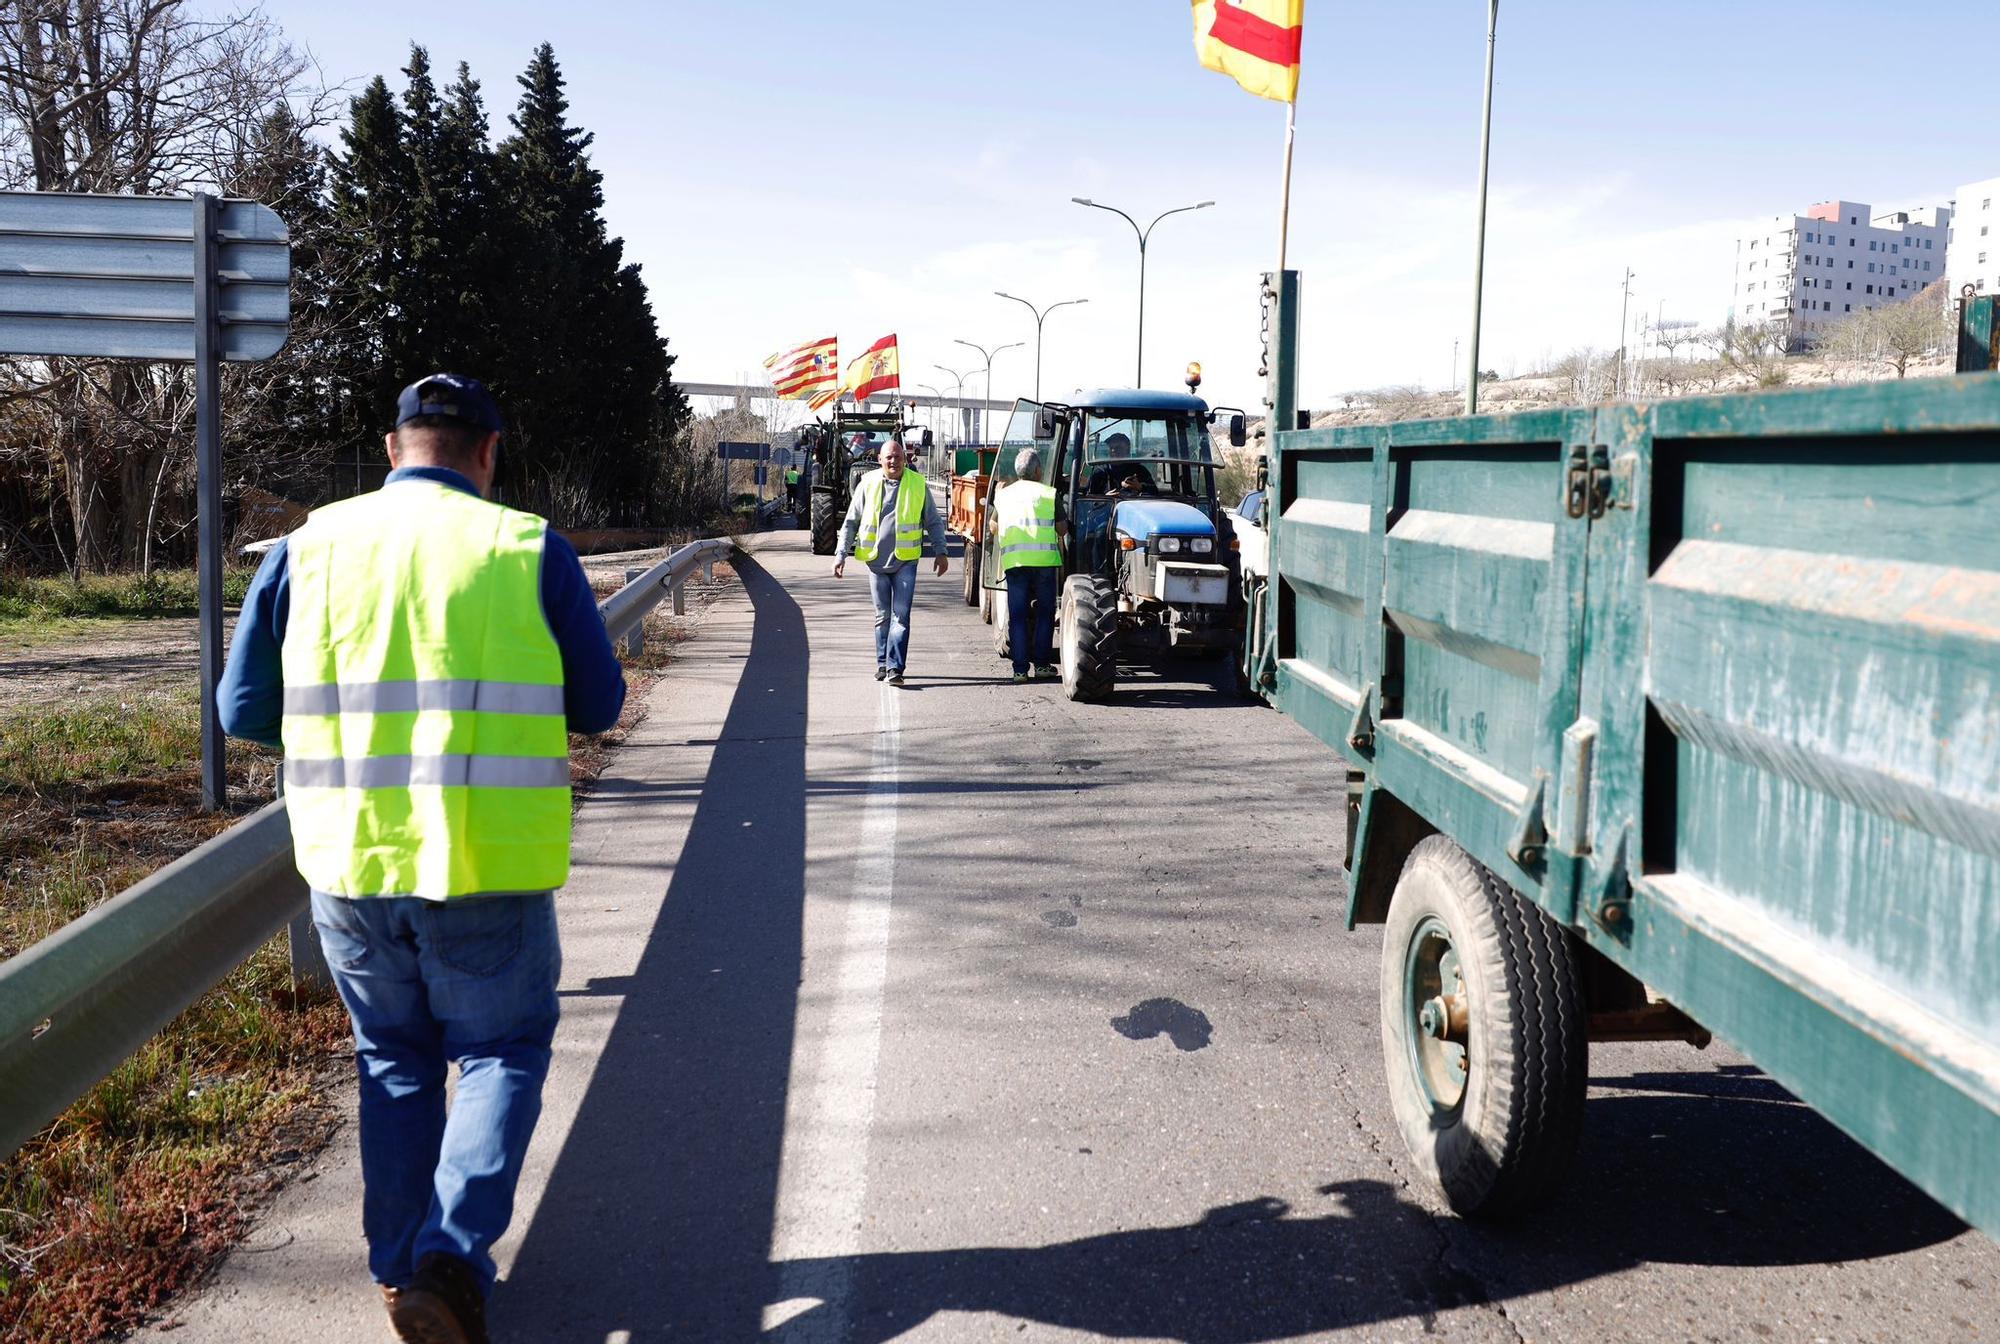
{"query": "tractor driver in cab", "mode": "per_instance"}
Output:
(1120, 474)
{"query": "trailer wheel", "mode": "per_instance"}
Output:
(1089, 620)
(1246, 652)
(972, 588)
(825, 524)
(1483, 1033)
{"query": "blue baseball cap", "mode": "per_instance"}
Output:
(450, 394)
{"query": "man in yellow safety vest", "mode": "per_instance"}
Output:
(1030, 555)
(422, 655)
(891, 523)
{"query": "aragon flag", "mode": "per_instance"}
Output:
(798, 373)
(1254, 42)
(876, 369)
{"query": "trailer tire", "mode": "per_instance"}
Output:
(1246, 651)
(1504, 1140)
(1089, 637)
(972, 588)
(825, 524)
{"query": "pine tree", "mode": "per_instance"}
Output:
(372, 188)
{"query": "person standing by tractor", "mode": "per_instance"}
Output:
(891, 523)
(792, 488)
(1031, 558)
(422, 656)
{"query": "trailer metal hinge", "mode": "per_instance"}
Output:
(1573, 797)
(1530, 833)
(1587, 483)
(1576, 492)
(1613, 907)
(1361, 732)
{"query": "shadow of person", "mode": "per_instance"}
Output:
(1242, 1273)
(657, 1217)
(1724, 1179)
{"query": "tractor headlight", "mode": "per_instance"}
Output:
(1167, 545)
(1202, 545)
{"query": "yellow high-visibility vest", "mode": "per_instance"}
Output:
(1027, 524)
(910, 495)
(426, 749)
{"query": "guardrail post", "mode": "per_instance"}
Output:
(635, 641)
(680, 599)
(311, 976)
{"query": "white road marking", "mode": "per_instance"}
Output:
(823, 1187)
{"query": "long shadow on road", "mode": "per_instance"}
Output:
(1730, 1175)
(658, 1215)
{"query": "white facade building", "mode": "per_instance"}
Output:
(1975, 238)
(1803, 271)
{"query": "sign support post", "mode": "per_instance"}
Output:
(208, 491)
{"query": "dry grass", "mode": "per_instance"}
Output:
(168, 592)
(136, 1188)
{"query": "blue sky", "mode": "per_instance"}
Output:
(786, 171)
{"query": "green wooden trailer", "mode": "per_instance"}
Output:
(1661, 720)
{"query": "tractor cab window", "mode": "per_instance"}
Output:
(1163, 454)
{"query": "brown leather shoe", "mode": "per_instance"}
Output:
(441, 1304)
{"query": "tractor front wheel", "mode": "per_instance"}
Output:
(825, 524)
(1089, 619)
(972, 588)
(1483, 1033)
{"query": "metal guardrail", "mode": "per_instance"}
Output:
(79, 1002)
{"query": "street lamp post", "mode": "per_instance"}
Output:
(964, 414)
(926, 387)
(1139, 374)
(988, 355)
(1039, 315)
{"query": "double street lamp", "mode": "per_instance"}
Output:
(1139, 376)
(1039, 315)
(988, 356)
(964, 415)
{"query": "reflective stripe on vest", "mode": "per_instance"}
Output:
(426, 752)
(1027, 519)
(910, 496)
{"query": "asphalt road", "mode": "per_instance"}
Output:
(963, 1013)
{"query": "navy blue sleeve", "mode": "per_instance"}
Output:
(250, 700)
(593, 682)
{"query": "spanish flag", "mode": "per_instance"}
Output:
(1254, 42)
(874, 370)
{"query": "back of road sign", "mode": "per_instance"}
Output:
(114, 277)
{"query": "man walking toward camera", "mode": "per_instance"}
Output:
(422, 656)
(891, 523)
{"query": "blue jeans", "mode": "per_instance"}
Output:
(427, 983)
(1032, 585)
(893, 594)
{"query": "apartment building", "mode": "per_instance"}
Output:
(1975, 239)
(1801, 272)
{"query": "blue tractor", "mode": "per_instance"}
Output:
(1148, 567)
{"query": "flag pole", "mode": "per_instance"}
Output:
(1285, 196)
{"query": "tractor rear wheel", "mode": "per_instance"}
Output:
(825, 524)
(1089, 619)
(1483, 1033)
(972, 589)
